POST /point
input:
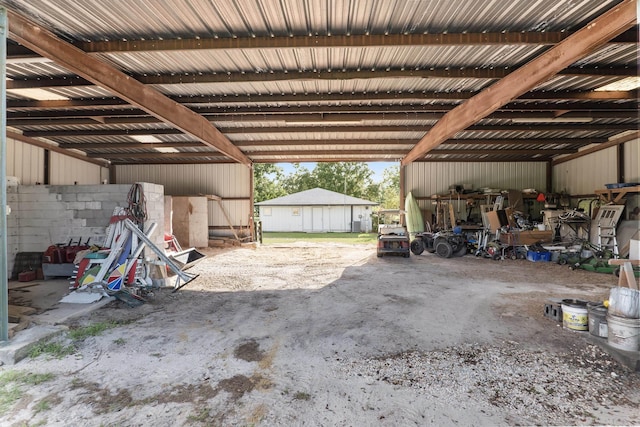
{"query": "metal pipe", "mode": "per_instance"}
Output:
(179, 273)
(4, 280)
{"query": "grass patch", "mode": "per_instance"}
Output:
(301, 395)
(53, 349)
(41, 406)
(348, 238)
(11, 386)
(93, 330)
(201, 417)
(120, 341)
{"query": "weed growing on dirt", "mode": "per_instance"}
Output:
(41, 406)
(11, 383)
(53, 349)
(301, 395)
(120, 341)
(93, 330)
(201, 417)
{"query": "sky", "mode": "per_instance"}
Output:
(376, 167)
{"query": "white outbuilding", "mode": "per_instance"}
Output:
(316, 210)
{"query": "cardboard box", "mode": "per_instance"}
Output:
(494, 221)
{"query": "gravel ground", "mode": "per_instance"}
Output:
(328, 335)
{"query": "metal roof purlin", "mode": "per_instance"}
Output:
(540, 69)
(47, 44)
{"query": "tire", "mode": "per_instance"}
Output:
(444, 249)
(417, 247)
(462, 251)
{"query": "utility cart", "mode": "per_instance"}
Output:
(393, 237)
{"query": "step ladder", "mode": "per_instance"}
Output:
(607, 221)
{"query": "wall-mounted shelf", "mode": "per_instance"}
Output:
(615, 195)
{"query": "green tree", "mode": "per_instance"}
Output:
(350, 178)
(267, 181)
(390, 187)
(299, 180)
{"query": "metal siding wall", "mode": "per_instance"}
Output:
(25, 161)
(632, 161)
(281, 219)
(586, 174)
(224, 180)
(65, 170)
(426, 179)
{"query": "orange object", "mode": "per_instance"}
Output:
(541, 197)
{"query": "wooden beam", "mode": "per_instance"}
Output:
(293, 153)
(51, 147)
(98, 146)
(339, 111)
(586, 40)
(49, 45)
(15, 52)
(127, 145)
(88, 133)
(275, 76)
(416, 97)
(612, 143)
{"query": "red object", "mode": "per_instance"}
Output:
(26, 276)
(72, 251)
(55, 255)
(541, 197)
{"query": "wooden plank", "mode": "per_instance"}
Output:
(47, 44)
(578, 45)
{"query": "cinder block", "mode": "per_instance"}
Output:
(40, 198)
(34, 189)
(94, 205)
(553, 311)
(76, 205)
(86, 197)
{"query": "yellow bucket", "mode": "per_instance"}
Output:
(575, 315)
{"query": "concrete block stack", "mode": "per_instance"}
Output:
(44, 215)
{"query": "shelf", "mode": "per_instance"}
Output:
(615, 195)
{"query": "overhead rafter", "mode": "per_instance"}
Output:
(384, 152)
(55, 149)
(109, 146)
(275, 76)
(327, 97)
(523, 111)
(535, 127)
(602, 29)
(47, 44)
(611, 143)
(319, 41)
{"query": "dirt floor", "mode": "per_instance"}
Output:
(329, 334)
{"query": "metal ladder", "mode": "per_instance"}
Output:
(607, 220)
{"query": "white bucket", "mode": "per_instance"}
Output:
(623, 333)
(575, 315)
(624, 302)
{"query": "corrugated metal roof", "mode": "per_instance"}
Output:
(348, 77)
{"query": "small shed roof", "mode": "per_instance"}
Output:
(316, 196)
